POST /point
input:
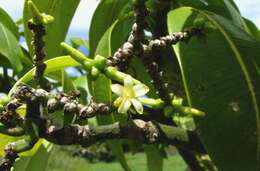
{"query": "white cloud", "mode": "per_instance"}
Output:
(13, 7)
(250, 9)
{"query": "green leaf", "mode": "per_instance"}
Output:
(9, 48)
(138, 71)
(62, 11)
(225, 8)
(67, 83)
(253, 29)
(5, 139)
(81, 83)
(220, 78)
(107, 12)
(78, 41)
(7, 21)
(101, 90)
(114, 37)
(154, 158)
(55, 64)
(36, 162)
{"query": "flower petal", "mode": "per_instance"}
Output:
(124, 106)
(138, 106)
(118, 101)
(117, 89)
(140, 90)
(128, 82)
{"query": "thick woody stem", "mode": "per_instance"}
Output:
(38, 31)
(9, 118)
(137, 36)
(11, 152)
(128, 50)
(174, 38)
(16, 131)
(134, 44)
(7, 162)
(145, 132)
(69, 102)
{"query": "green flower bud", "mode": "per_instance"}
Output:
(86, 62)
(191, 111)
(39, 18)
(95, 72)
(177, 101)
(156, 103)
(47, 19)
(113, 74)
(4, 100)
(100, 62)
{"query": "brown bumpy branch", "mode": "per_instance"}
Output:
(38, 31)
(149, 59)
(134, 44)
(67, 102)
(11, 123)
(70, 104)
(137, 36)
(9, 117)
(7, 162)
(145, 132)
(128, 50)
(174, 38)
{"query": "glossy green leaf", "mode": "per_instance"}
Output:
(254, 30)
(107, 12)
(5, 139)
(78, 41)
(101, 90)
(138, 71)
(116, 35)
(62, 11)
(9, 48)
(55, 64)
(154, 158)
(36, 162)
(220, 79)
(81, 83)
(226, 8)
(67, 83)
(7, 21)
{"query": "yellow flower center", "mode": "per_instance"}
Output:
(128, 93)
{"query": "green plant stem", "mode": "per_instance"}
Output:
(16, 131)
(21, 145)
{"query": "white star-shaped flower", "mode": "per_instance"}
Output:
(129, 94)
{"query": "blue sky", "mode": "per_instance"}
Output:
(249, 8)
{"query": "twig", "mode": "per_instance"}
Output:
(133, 46)
(38, 31)
(7, 162)
(144, 132)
